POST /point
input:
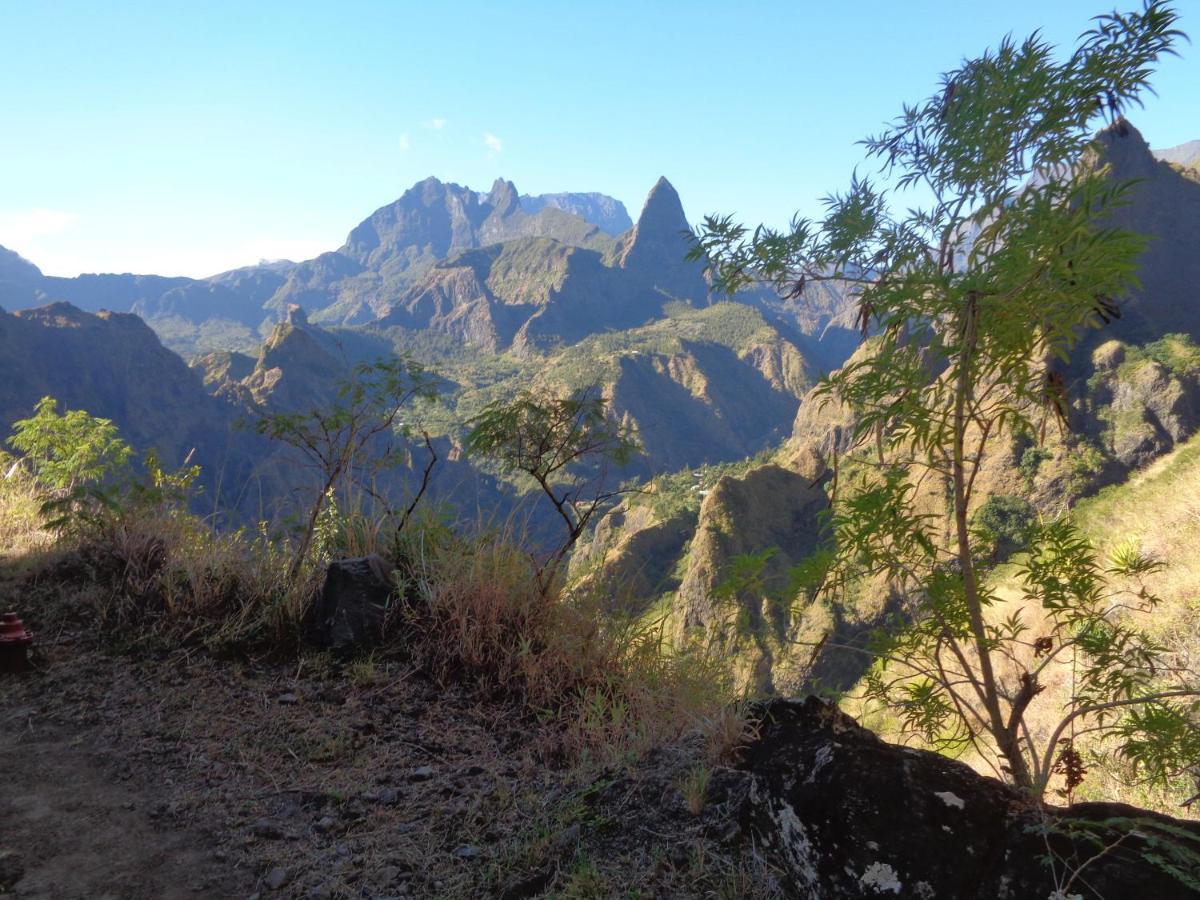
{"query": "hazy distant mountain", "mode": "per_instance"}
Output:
(1186, 156)
(606, 213)
(383, 256)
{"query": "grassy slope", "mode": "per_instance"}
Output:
(1158, 508)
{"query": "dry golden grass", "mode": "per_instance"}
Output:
(21, 531)
(473, 610)
(1157, 510)
(610, 688)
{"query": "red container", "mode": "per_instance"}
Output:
(15, 642)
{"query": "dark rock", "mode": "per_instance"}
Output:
(276, 878)
(467, 851)
(325, 824)
(384, 796)
(529, 886)
(265, 828)
(848, 815)
(12, 869)
(353, 603)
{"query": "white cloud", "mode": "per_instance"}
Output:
(20, 229)
(405, 144)
(434, 124)
(493, 143)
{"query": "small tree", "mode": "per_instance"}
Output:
(349, 442)
(71, 449)
(971, 290)
(566, 444)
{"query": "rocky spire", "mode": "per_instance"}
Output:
(658, 245)
(503, 198)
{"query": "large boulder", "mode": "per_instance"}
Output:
(847, 815)
(353, 605)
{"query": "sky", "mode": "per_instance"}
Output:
(190, 138)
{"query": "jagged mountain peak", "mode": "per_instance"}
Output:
(503, 197)
(663, 208)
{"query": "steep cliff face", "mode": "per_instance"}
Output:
(112, 365)
(703, 404)
(1163, 205)
(770, 511)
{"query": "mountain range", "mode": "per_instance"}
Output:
(498, 292)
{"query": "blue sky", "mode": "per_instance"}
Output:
(187, 138)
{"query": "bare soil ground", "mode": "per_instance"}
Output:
(177, 775)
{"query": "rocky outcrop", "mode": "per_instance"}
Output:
(294, 371)
(1137, 407)
(849, 816)
(350, 613)
(769, 510)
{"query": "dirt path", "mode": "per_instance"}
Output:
(84, 829)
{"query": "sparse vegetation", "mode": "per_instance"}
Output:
(566, 446)
(966, 325)
(349, 442)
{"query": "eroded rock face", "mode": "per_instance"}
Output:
(848, 815)
(1140, 409)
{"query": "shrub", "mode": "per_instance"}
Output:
(69, 449)
(1004, 522)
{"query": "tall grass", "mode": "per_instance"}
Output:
(607, 687)
(21, 529)
(468, 610)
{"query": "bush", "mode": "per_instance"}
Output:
(70, 449)
(1004, 522)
